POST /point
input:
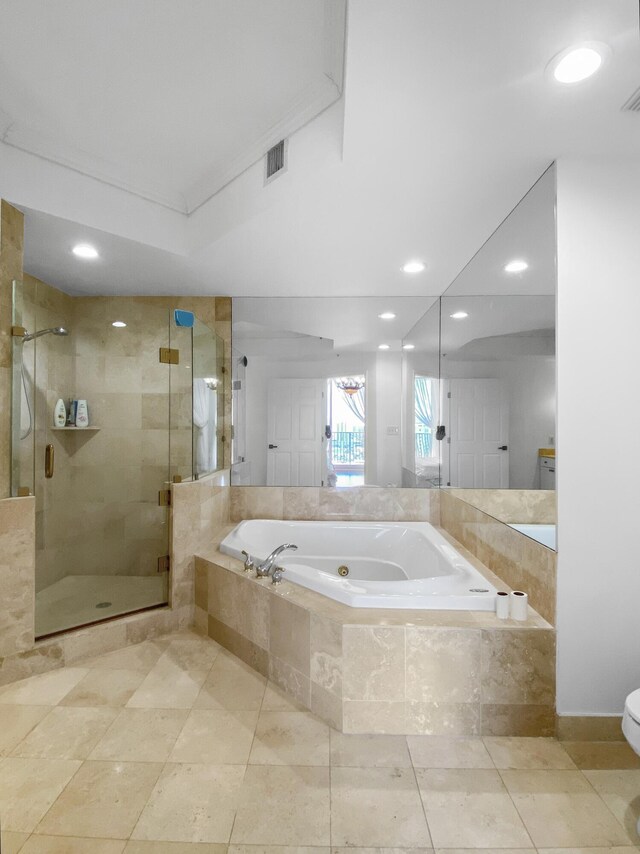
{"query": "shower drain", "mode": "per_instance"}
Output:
(103, 605)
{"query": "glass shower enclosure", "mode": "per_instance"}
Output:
(102, 524)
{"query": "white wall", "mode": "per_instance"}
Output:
(598, 435)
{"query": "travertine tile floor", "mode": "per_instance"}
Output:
(175, 746)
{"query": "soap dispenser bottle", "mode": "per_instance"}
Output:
(59, 414)
(82, 414)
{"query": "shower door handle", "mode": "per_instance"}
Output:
(49, 461)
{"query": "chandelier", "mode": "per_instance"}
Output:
(349, 385)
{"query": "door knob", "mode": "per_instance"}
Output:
(273, 446)
(503, 447)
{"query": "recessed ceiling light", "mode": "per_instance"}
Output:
(408, 346)
(413, 267)
(579, 62)
(459, 315)
(386, 315)
(119, 324)
(516, 266)
(383, 346)
(84, 250)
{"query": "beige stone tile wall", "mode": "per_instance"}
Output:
(522, 563)
(11, 253)
(199, 512)
(325, 504)
(381, 671)
(517, 506)
(17, 574)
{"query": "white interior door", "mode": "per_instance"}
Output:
(478, 434)
(295, 432)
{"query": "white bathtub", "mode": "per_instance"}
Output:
(391, 564)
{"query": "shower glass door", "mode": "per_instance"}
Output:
(100, 528)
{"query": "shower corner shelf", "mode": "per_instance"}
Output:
(75, 429)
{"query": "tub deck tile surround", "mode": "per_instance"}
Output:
(363, 670)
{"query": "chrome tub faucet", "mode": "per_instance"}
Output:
(263, 569)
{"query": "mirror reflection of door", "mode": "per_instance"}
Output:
(346, 419)
(295, 432)
(478, 434)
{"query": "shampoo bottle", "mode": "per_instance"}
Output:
(82, 414)
(59, 414)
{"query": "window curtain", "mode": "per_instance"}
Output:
(424, 401)
(355, 402)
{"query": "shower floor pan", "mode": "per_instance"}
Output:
(77, 600)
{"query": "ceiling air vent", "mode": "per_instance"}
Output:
(276, 161)
(633, 104)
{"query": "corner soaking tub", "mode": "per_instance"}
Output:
(389, 564)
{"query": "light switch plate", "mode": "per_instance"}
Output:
(393, 431)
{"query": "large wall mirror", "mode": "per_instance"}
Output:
(317, 390)
(455, 392)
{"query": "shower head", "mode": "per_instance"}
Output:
(54, 330)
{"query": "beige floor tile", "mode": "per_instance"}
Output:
(533, 753)
(470, 808)
(485, 850)
(283, 806)
(28, 787)
(614, 849)
(154, 690)
(44, 690)
(139, 846)
(141, 735)
(215, 737)
(72, 845)
(276, 700)
(376, 751)
(103, 800)
(376, 807)
(432, 751)
(278, 849)
(192, 803)
(232, 685)
(602, 755)
(620, 790)
(16, 722)
(192, 652)
(336, 849)
(66, 733)
(12, 842)
(140, 657)
(561, 810)
(104, 688)
(290, 738)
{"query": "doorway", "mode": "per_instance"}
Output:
(346, 422)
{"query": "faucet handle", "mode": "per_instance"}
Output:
(276, 575)
(248, 561)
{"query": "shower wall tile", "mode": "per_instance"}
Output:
(11, 254)
(17, 574)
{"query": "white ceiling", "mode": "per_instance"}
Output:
(167, 100)
(346, 323)
(447, 120)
